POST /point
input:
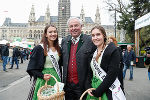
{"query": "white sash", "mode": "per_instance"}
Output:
(54, 63)
(117, 93)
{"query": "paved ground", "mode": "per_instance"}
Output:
(15, 84)
(12, 75)
(139, 88)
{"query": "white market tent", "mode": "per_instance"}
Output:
(16, 43)
(4, 42)
(26, 44)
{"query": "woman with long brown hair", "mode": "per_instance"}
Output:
(104, 68)
(45, 60)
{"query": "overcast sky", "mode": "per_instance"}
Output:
(19, 10)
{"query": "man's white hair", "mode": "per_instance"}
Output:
(71, 18)
(129, 45)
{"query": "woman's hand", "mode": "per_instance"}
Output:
(90, 92)
(47, 76)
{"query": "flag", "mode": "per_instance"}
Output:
(5, 11)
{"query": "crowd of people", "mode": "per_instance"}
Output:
(82, 62)
(11, 55)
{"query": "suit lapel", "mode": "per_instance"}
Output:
(69, 44)
(80, 43)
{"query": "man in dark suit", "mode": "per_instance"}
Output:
(76, 51)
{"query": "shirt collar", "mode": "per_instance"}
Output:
(76, 39)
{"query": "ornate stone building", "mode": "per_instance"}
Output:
(33, 30)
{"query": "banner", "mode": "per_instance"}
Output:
(142, 21)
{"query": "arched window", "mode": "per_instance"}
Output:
(86, 32)
(42, 31)
(30, 31)
(34, 31)
(38, 31)
(39, 36)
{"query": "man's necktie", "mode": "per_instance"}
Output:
(74, 41)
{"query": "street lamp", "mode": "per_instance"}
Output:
(115, 19)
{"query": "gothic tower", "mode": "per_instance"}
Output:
(82, 15)
(47, 16)
(97, 17)
(63, 16)
(31, 20)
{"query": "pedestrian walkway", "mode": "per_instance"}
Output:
(17, 90)
(137, 89)
(12, 75)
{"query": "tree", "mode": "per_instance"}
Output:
(129, 13)
(144, 37)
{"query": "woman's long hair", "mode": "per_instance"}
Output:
(45, 43)
(102, 30)
(114, 40)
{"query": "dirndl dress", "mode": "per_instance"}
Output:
(48, 69)
(40, 82)
(95, 83)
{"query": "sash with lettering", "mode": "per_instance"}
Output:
(54, 62)
(117, 93)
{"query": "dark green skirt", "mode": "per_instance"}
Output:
(40, 82)
(95, 83)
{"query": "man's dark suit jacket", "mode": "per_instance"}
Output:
(83, 56)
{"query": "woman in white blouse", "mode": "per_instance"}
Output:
(44, 61)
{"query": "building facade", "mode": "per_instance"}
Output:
(33, 29)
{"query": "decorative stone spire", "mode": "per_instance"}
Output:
(32, 15)
(47, 16)
(82, 15)
(97, 16)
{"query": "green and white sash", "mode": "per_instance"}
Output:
(117, 93)
(54, 62)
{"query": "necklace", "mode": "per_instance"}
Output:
(101, 49)
(99, 53)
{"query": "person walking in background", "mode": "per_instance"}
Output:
(5, 54)
(123, 51)
(16, 53)
(45, 60)
(104, 68)
(21, 55)
(0, 53)
(147, 62)
(10, 55)
(120, 74)
(24, 54)
(76, 51)
(129, 60)
(27, 53)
